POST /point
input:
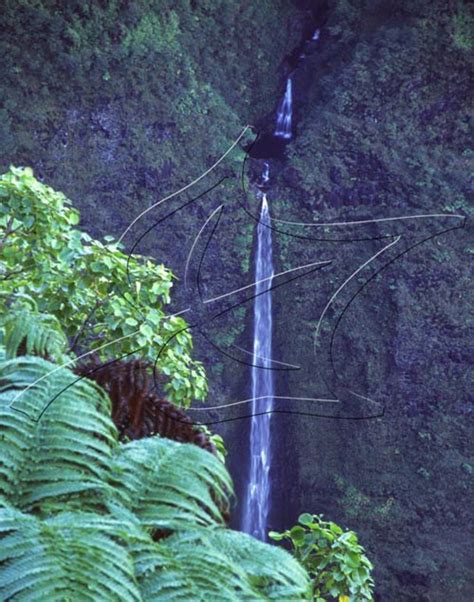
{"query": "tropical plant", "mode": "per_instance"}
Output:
(334, 559)
(85, 517)
(105, 301)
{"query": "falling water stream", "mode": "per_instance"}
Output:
(285, 112)
(257, 497)
(258, 489)
(257, 501)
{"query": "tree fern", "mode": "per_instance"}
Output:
(79, 510)
(137, 409)
(221, 564)
(183, 568)
(274, 574)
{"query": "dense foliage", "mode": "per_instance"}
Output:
(82, 513)
(393, 117)
(383, 130)
(173, 91)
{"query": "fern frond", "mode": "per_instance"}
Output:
(63, 558)
(29, 332)
(170, 485)
(68, 450)
(107, 501)
(171, 573)
(273, 572)
(218, 564)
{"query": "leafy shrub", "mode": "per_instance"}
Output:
(334, 559)
(105, 301)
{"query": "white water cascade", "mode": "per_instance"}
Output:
(257, 500)
(285, 113)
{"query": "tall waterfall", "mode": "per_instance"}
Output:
(257, 500)
(284, 113)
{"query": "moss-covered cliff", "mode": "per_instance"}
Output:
(119, 104)
(383, 132)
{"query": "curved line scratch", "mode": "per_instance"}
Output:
(361, 267)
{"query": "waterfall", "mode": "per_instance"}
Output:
(284, 113)
(258, 489)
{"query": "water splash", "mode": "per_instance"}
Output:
(257, 500)
(285, 113)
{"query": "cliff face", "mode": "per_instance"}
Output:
(383, 133)
(119, 106)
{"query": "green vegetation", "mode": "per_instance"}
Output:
(462, 27)
(133, 99)
(383, 131)
(83, 515)
(386, 124)
(334, 559)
